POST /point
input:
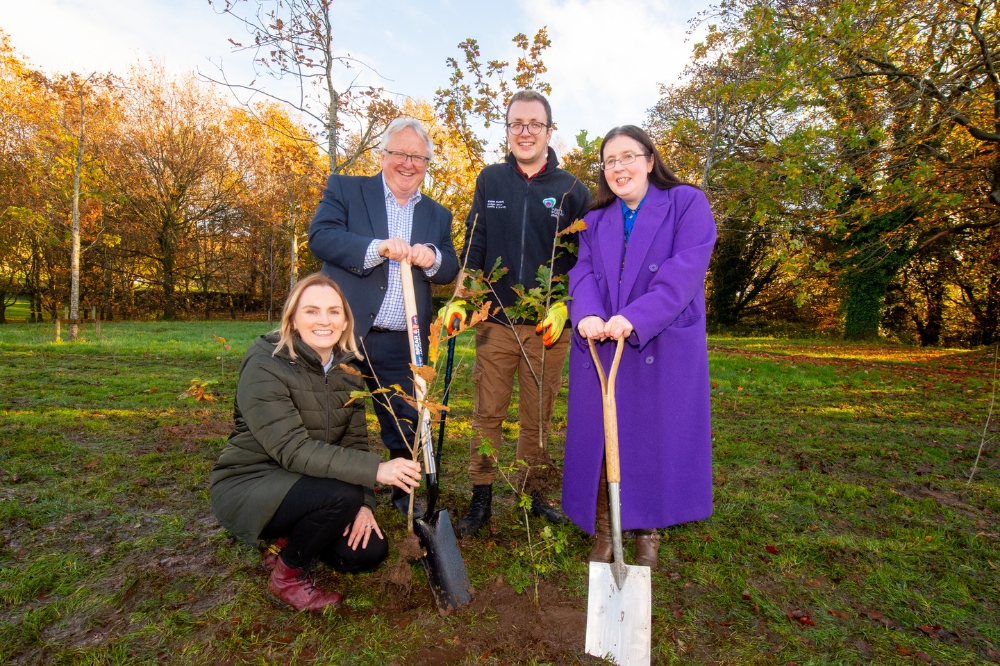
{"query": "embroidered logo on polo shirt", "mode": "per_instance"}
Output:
(549, 202)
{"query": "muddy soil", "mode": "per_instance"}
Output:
(507, 626)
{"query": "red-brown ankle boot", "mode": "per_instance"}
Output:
(294, 587)
(269, 556)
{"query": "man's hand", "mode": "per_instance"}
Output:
(592, 328)
(454, 315)
(361, 529)
(618, 327)
(395, 249)
(553, 324)
(422, 256)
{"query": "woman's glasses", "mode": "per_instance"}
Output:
(627, 158)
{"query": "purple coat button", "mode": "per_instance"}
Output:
(649, 360)
(653, 267)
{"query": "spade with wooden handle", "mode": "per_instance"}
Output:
(442, 560)
(619, 598)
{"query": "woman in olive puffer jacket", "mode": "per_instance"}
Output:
(297, 468)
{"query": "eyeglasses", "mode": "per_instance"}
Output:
(627, 158)
(533, 128)
(400, 158)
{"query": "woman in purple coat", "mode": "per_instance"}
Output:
(641, 275)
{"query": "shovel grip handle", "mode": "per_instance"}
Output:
(610, 406)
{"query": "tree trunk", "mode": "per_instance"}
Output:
(293, 269)
(3, 307)
(74, 289)
(167, 251)
(865, 295)
(109, 287)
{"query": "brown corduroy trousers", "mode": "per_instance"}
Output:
(498, 359)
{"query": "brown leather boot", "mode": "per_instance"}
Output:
(602, 550)
(647, 548)
(294, 588)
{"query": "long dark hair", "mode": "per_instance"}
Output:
(660, 176)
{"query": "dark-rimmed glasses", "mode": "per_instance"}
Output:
(627, 158)
(400, 158)
(533, 128)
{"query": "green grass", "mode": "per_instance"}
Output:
(840, 496)
(19, 310)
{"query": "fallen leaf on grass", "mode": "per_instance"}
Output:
(938, 633)
(800, 616)
(877, 617)
(993, 566)
(772, 549)
(91, 465)
(678, 614)
(841, 614)
(746, 595)
(922, 656)
(151, 389)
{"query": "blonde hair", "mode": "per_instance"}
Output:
(286, 330)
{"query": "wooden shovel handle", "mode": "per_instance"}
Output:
(610, 409)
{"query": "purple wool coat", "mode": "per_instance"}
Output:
(664, 415)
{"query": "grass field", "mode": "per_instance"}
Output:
(844, 529)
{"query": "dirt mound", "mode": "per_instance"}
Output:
(400, 575)
(194, 432)
(510, 628)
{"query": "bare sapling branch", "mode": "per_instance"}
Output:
(989, 415)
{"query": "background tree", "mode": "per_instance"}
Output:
(293, 40)
(173, 170)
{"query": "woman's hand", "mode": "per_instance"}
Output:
(361, 529)
(592, 328)
(617, 327)
(401, 472)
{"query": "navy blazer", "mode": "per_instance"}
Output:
(350, 215)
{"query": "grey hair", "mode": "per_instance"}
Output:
(400, 124)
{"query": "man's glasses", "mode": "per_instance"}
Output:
(627, 158)
(400, 158)
(533, 128)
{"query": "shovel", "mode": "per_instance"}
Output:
(619, 601)
(442, 560)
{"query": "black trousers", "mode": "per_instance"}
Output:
(387, 358)
(313, 516)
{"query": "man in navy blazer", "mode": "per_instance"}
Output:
(364, 226)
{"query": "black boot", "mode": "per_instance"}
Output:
(400, 498)
(541, 508)
(480, 510)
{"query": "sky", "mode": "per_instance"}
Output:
(605, 63)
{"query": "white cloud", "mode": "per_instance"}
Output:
(592, 89)
(111, 35)
(607, 57)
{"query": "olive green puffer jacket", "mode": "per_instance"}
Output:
(290, 421)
